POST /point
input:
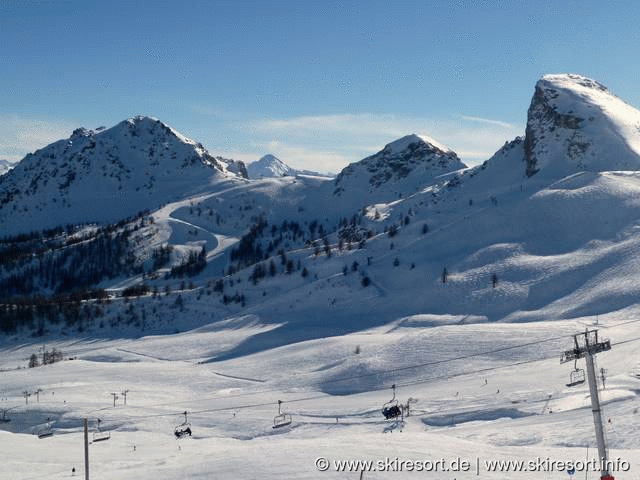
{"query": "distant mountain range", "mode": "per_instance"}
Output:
(546, 228)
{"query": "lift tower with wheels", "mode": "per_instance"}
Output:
(587, 345)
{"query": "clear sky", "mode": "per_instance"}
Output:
(317, 83)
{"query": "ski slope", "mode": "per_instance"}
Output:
(486, 406)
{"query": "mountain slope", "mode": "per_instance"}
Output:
(575, 124)
(106, 176)
(409, 232)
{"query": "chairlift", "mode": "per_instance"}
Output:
(391, 409)
(282, 419)
(46, 431)
(99, 435)
(4, 418)
(183, 429)
(577, 376)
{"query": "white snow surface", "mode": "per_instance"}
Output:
(521, 412)
(397, 146)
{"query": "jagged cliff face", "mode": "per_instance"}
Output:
(575, 124)
(542, 120)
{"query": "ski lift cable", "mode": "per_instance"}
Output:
(378, 373)
(324, 396)
(409, 367)
(382, 372)
(622, 342)
(404, 384)
(419, 365)
(447, 360)
(105, 347)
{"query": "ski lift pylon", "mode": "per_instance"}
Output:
(391, 409)
(282, 419)
(183, 429)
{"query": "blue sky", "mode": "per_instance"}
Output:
(318, 84)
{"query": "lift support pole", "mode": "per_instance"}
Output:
(587, 349)
(86, 450)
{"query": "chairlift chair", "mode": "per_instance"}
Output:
(99, 435)
(46, 431)
(576, 377)
(183, 429)
(391, 409)
(4, 418)
(282, 419)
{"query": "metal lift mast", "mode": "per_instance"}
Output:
(586, 345)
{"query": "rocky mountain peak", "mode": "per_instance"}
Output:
(411, 159)
(575, 123)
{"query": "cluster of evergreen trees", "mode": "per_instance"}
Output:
(35, 312)
(48, 357)
(257, 245)
(194, 264)
(58, 262)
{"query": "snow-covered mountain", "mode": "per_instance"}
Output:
(5, 166)
(269, 166)
(457, 285)
(576, 124)
(400, 168)
(108, 175)
(413, 203)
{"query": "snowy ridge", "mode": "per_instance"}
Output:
(138, 164)
(271, 166)
(402, 144)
